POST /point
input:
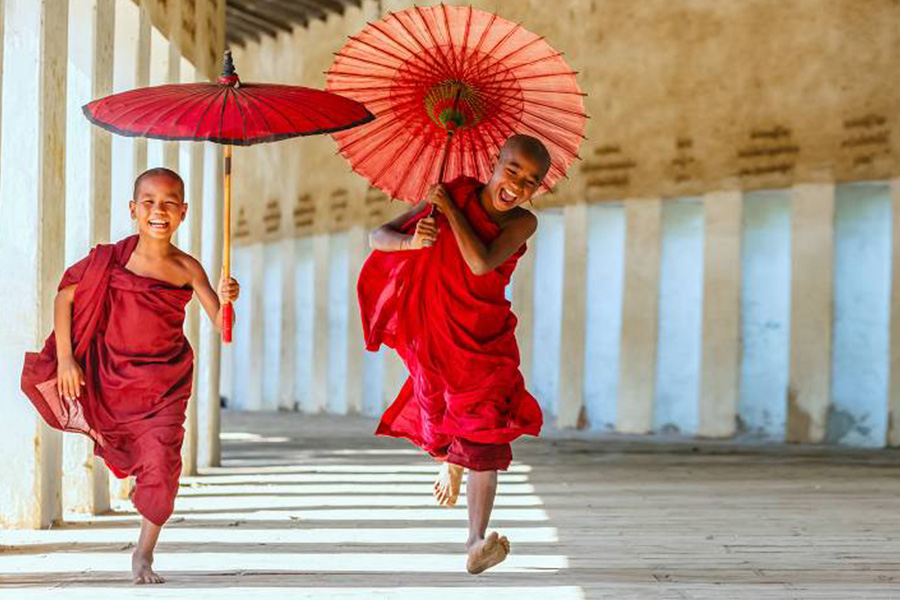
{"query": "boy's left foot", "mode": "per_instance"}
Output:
(142, 570)
(487, 553)
(446, 486)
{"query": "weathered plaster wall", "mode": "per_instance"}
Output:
(685, 97)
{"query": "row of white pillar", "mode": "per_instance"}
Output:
(65, 187)
(760, 313)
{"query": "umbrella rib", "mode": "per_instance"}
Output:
(452, 45)
(222, 114)
(436, 63)
(436, 45)
(145, 109)
(476, 66)
(189, 108)
(383, 125)
(404, 62)
(465, 41)
(411, 51)
(202, 118)
(258, 113)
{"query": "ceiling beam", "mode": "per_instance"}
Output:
(236, 23)
(259, 18)
(287, 11)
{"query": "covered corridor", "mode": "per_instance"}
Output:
(317, 507)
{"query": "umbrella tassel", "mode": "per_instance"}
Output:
(227, 308)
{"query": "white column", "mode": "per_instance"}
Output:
(638, 349)
(288, 353)
(304, 315)
(131, 69)
(321, 347)
(32, 159)
(208, 364)
(272, 323)
(336, 400)
(247, 348)
(721, 351)
(88, 175)
(894, 343)
(603, 313)
(570, 410)
(190, 241)
(357, 250)
(158, 153)
(812, 247)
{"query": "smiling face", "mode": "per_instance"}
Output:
(158, 205)
(520, 169)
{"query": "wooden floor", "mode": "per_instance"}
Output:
(316, 507)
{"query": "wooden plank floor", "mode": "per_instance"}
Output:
(316, 507)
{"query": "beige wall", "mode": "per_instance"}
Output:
(684, 97)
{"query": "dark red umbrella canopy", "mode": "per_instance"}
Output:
(226, 112)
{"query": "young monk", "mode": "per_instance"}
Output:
(433, 289)
(118, 367)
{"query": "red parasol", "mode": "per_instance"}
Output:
(227, 112)
(432, 75)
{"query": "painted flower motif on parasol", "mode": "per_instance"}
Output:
(448, 85)
(227, 112)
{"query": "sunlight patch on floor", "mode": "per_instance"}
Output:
(282, 562)
(246, 535)
(294, 593)
(315, 489)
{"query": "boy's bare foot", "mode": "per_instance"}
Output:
(142, 570)
(487, 553)
(446, 486)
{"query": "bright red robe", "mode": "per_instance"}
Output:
(127, 334)
(455, 332)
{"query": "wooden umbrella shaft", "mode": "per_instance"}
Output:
(227, 309)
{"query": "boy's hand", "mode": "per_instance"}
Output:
(229, 289)
(69, 378)
(425, 235)
(439, 197)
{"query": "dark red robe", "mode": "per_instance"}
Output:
(465, 399)
(127, 334)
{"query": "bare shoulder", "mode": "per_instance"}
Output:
(521, 220)
(188, 263)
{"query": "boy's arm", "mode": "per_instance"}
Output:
(229, 290)
(482, 258)
(390, 238)
(69, 376)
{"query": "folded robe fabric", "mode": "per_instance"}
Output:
(127, 334)
(455, 332)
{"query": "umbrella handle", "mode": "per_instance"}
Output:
(227, 322)
(227, 309)
(444, 158)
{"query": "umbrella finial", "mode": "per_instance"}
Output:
(229, 74)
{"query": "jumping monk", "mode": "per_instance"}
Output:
(118, 367)
(433, 289)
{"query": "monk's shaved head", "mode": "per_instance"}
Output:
(531, 147)
(157, 172)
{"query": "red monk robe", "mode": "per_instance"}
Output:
(465, 399)
(127, 334)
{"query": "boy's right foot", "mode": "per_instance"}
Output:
(142, 570)
(487, 553)
(446, 486)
